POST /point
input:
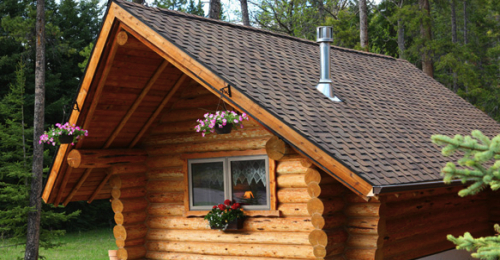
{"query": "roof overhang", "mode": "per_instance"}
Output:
(211, 81)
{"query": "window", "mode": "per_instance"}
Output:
(244, 179)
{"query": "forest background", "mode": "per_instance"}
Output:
(458, 39)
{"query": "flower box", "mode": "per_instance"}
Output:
(232, 225)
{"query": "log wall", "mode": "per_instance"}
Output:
(172, 235)
(129, 205)
(417, 222)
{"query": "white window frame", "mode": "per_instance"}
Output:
(228, 180)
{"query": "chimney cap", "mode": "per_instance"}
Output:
(324, 34)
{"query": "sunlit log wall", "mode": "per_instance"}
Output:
(417, 222)
(129, 205)
(174, 236)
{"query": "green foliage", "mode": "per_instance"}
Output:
(481, 166)
(15, 167)
(222, 214)
(182, 6)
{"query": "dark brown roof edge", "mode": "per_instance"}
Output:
(263, 31)
(384, 189)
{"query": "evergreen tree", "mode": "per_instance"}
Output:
(481, 166)
(182, 6)
(15, 170)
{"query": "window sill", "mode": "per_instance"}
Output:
(249, 213)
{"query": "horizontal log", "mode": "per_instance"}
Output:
(215, 146)
(120, 243)
(199, 101)
(163, 209)
(282, 251)
(429, 218)
(185, 127)
(330, 237)
(444, 202)
(446, 224)
(133, 180)
(115, 182)
(325, 191)
(166, 197)
(250, 224)
(130, 217)
(312, 176)
(134, 192)
(363, 225)
(130, 232)
(415, 195)
(360, 254)
(194, 137)
(433, 237)
(171, 185)
(291, 167)
(362, 210)
(156, 162)
(325, 207)
(166, 173)
(103, 158)
(293, 209)
(158, 255)
(130, 253)
(293, 195)
(291, 181)
(330, 250)
(330, 222)
(128, 168)
(249, 237)
(276, 148)
(129, 205)
(363, 241)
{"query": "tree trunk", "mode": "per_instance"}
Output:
(33, 232)
(215, 8)
(465, 23)
(454, 39)
(244, 12)
(363, 24)
(401, 38)
(425, 32)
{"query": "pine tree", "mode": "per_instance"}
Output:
(481, 166)
(15, 170)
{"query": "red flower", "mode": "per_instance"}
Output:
(227, 202)
(235, 206)
(222, 207)
(214, 207)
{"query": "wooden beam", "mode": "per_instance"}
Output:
(104, 158)
(136, 103)
(101, 185)
(213, 82)
(63, 185)
(77, 186)
(100, 86)
(158, 110)
(97, 53)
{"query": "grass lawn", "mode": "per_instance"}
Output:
(88, 245)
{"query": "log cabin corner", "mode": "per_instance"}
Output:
(357, 179)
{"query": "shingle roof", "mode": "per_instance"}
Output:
(382, 130)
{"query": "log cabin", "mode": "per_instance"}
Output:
(352, 175)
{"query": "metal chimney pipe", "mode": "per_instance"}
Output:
(325, 37)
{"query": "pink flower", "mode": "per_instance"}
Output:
(236, 121)
(240, 119)
(241, 126)
(203, 134)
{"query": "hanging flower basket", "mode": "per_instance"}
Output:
(65, 139)
(221, 122)
(226, 129)
(227, 216)
(63, 134)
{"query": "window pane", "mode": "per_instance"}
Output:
(249, 182)
(207, 183)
